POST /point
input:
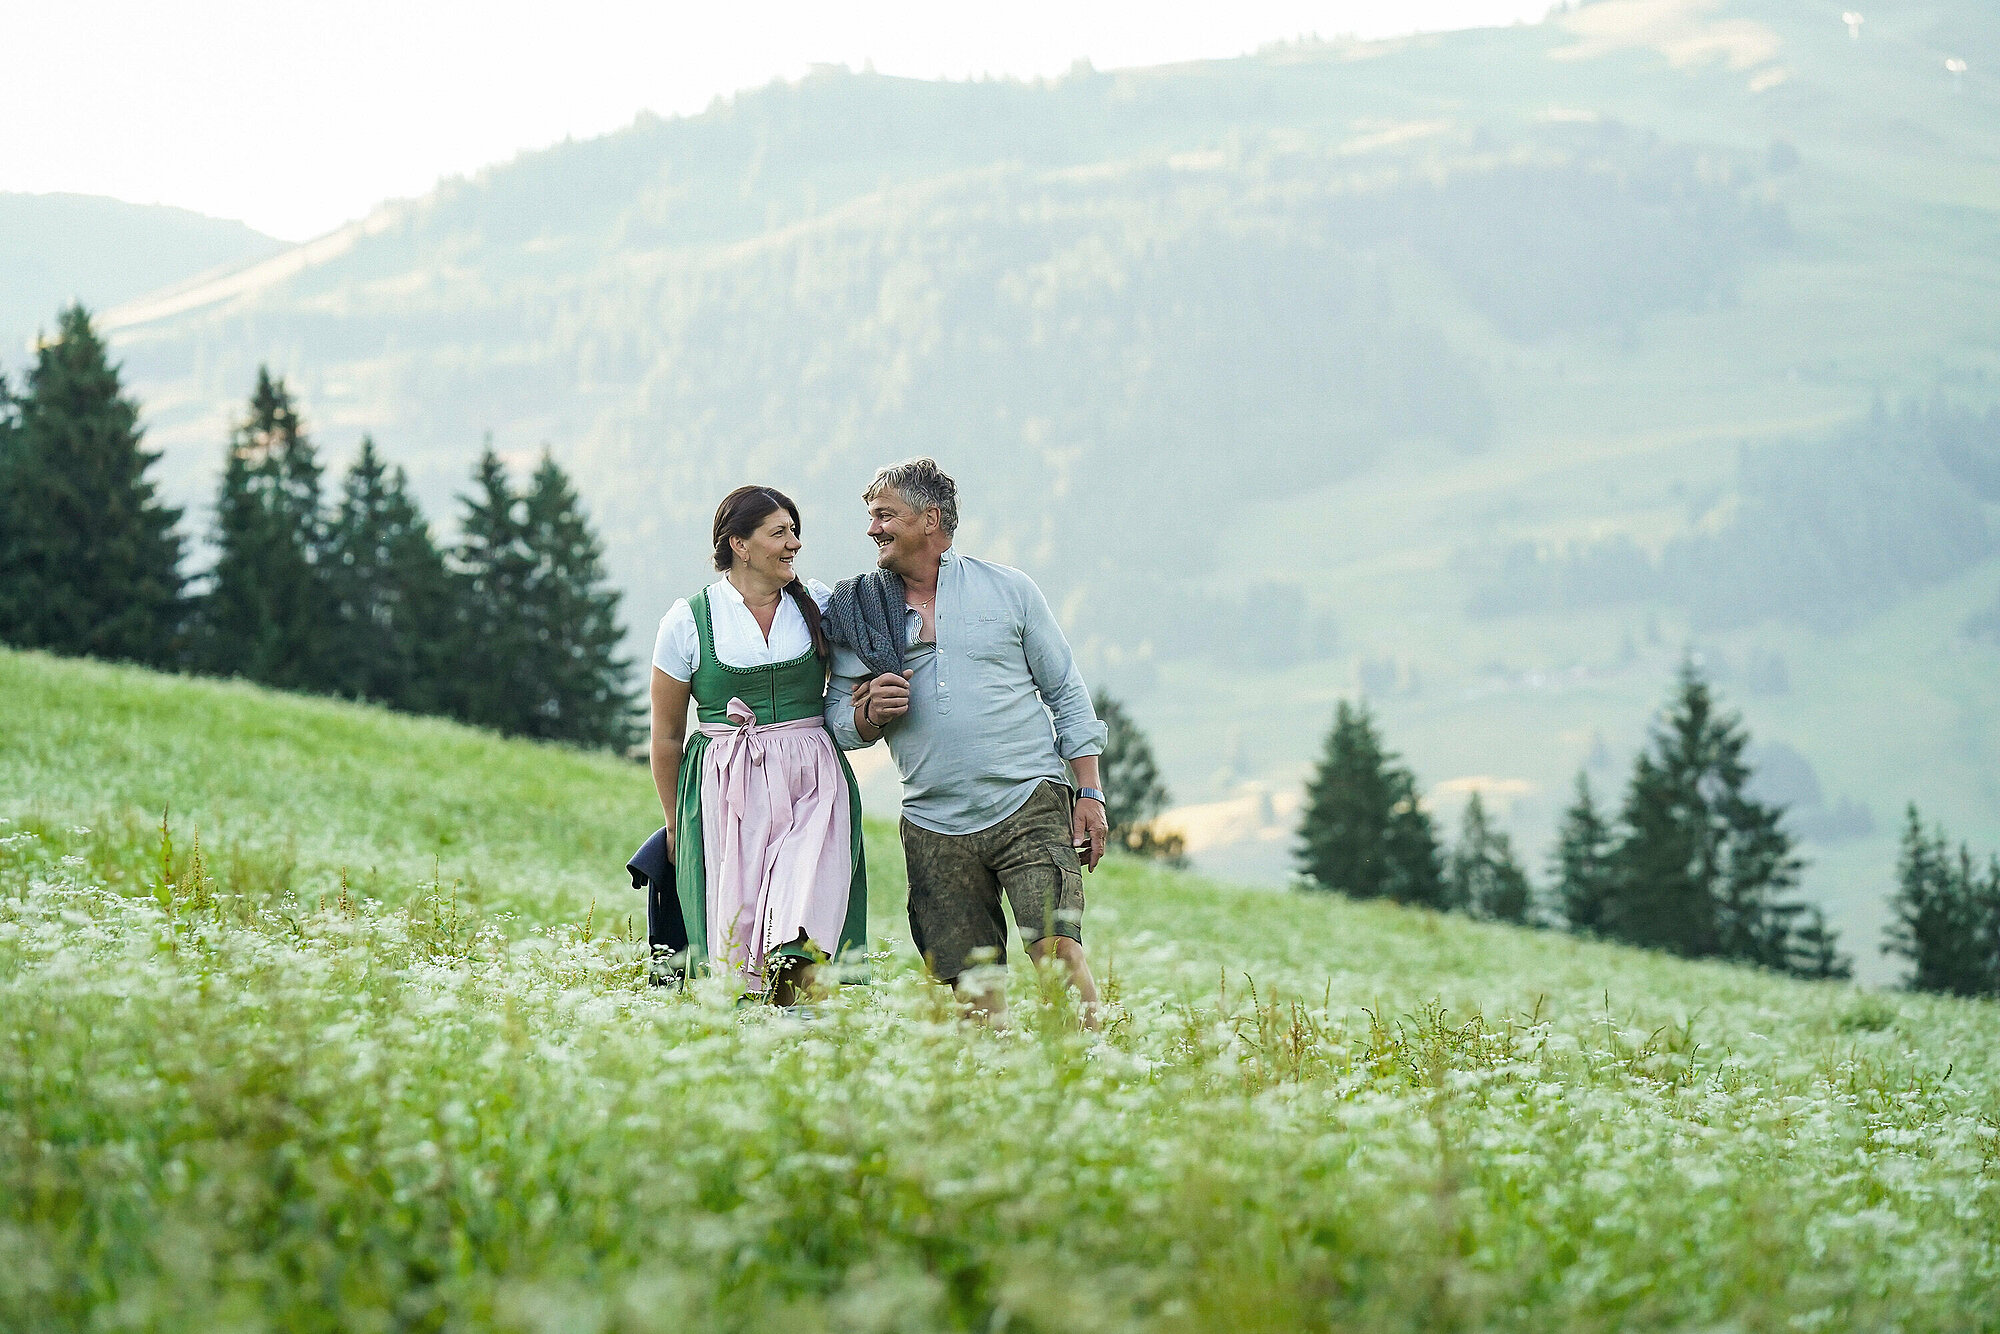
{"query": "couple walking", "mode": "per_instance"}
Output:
(959, 664)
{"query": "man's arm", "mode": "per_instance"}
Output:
(842, 719)
(1079, 733)
(859, 708)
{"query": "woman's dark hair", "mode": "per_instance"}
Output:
(741, 513)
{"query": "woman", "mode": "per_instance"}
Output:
(762, 811)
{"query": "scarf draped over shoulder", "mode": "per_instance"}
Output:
(866, 616)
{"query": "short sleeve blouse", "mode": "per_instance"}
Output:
(738, 640)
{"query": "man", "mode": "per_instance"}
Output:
(959, 662)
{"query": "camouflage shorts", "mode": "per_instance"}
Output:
(956, 881)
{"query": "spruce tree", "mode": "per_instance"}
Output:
(1815, 949)
(1582, 865)
(1483, 877)
(1133, 790)
(538, 624)
(1703, 868)
(390, 591)
(10, 440)
(1946, 915)
(493, 568)
(1364, 832)
(584, 690)
(89, 557)
(268, 614)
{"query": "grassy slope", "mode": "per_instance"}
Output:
(395, 1117)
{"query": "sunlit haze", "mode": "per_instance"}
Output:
(297, 117)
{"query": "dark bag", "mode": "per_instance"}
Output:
(652, 870)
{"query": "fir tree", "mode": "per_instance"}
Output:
(571, 611)
(1946, 916)
(89, 558)
(539, 626)
(1703, 868)
(1815, 949)
(1364, 832)
(268, 614)
(1582, 865)
(390, 591)
(1133, 790)
(492, 574)
(1482, 877)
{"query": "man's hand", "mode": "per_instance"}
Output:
(882, 700)
(1089, 828)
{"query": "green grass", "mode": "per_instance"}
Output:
(234, 1095)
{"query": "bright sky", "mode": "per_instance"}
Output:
(297, 116)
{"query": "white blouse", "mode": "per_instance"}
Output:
(738, 640)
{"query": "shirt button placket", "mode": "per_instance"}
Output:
(937, 627)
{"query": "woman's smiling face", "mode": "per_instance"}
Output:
(769, 551)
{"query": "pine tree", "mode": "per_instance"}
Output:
(539, 627)
(10, 443)
(268, 614)
(1815, 949)
(89, 558)
(1703, 867)
(1582, 865)
(572, 613)
(1364, 832)
(493, 567)
(1483, 877)
(391, 593)
(1133, 790)
(1946, 915)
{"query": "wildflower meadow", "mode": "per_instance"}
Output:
(314, 1016)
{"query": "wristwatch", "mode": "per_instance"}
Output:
(1095, 794)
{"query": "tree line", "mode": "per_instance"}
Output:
(338, 590)
(1691, 863)
(1946, 913)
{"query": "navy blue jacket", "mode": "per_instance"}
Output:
(652, 869)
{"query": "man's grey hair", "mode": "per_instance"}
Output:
(923, 486)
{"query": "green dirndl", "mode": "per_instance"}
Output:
(779, 693)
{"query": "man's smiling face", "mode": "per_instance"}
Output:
(901, 535)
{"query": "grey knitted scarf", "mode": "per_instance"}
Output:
(867, 616)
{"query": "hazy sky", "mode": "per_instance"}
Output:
(298, 116)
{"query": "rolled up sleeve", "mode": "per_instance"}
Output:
(1050, 662)
(848, 672)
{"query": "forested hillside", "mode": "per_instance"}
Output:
(1488, 372)
(57, 248)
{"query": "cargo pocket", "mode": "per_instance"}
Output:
(1066, 907)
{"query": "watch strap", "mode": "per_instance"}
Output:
(1096, 794)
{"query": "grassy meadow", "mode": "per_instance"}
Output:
(377, 1056)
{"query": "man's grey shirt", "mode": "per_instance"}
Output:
(996, 706)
